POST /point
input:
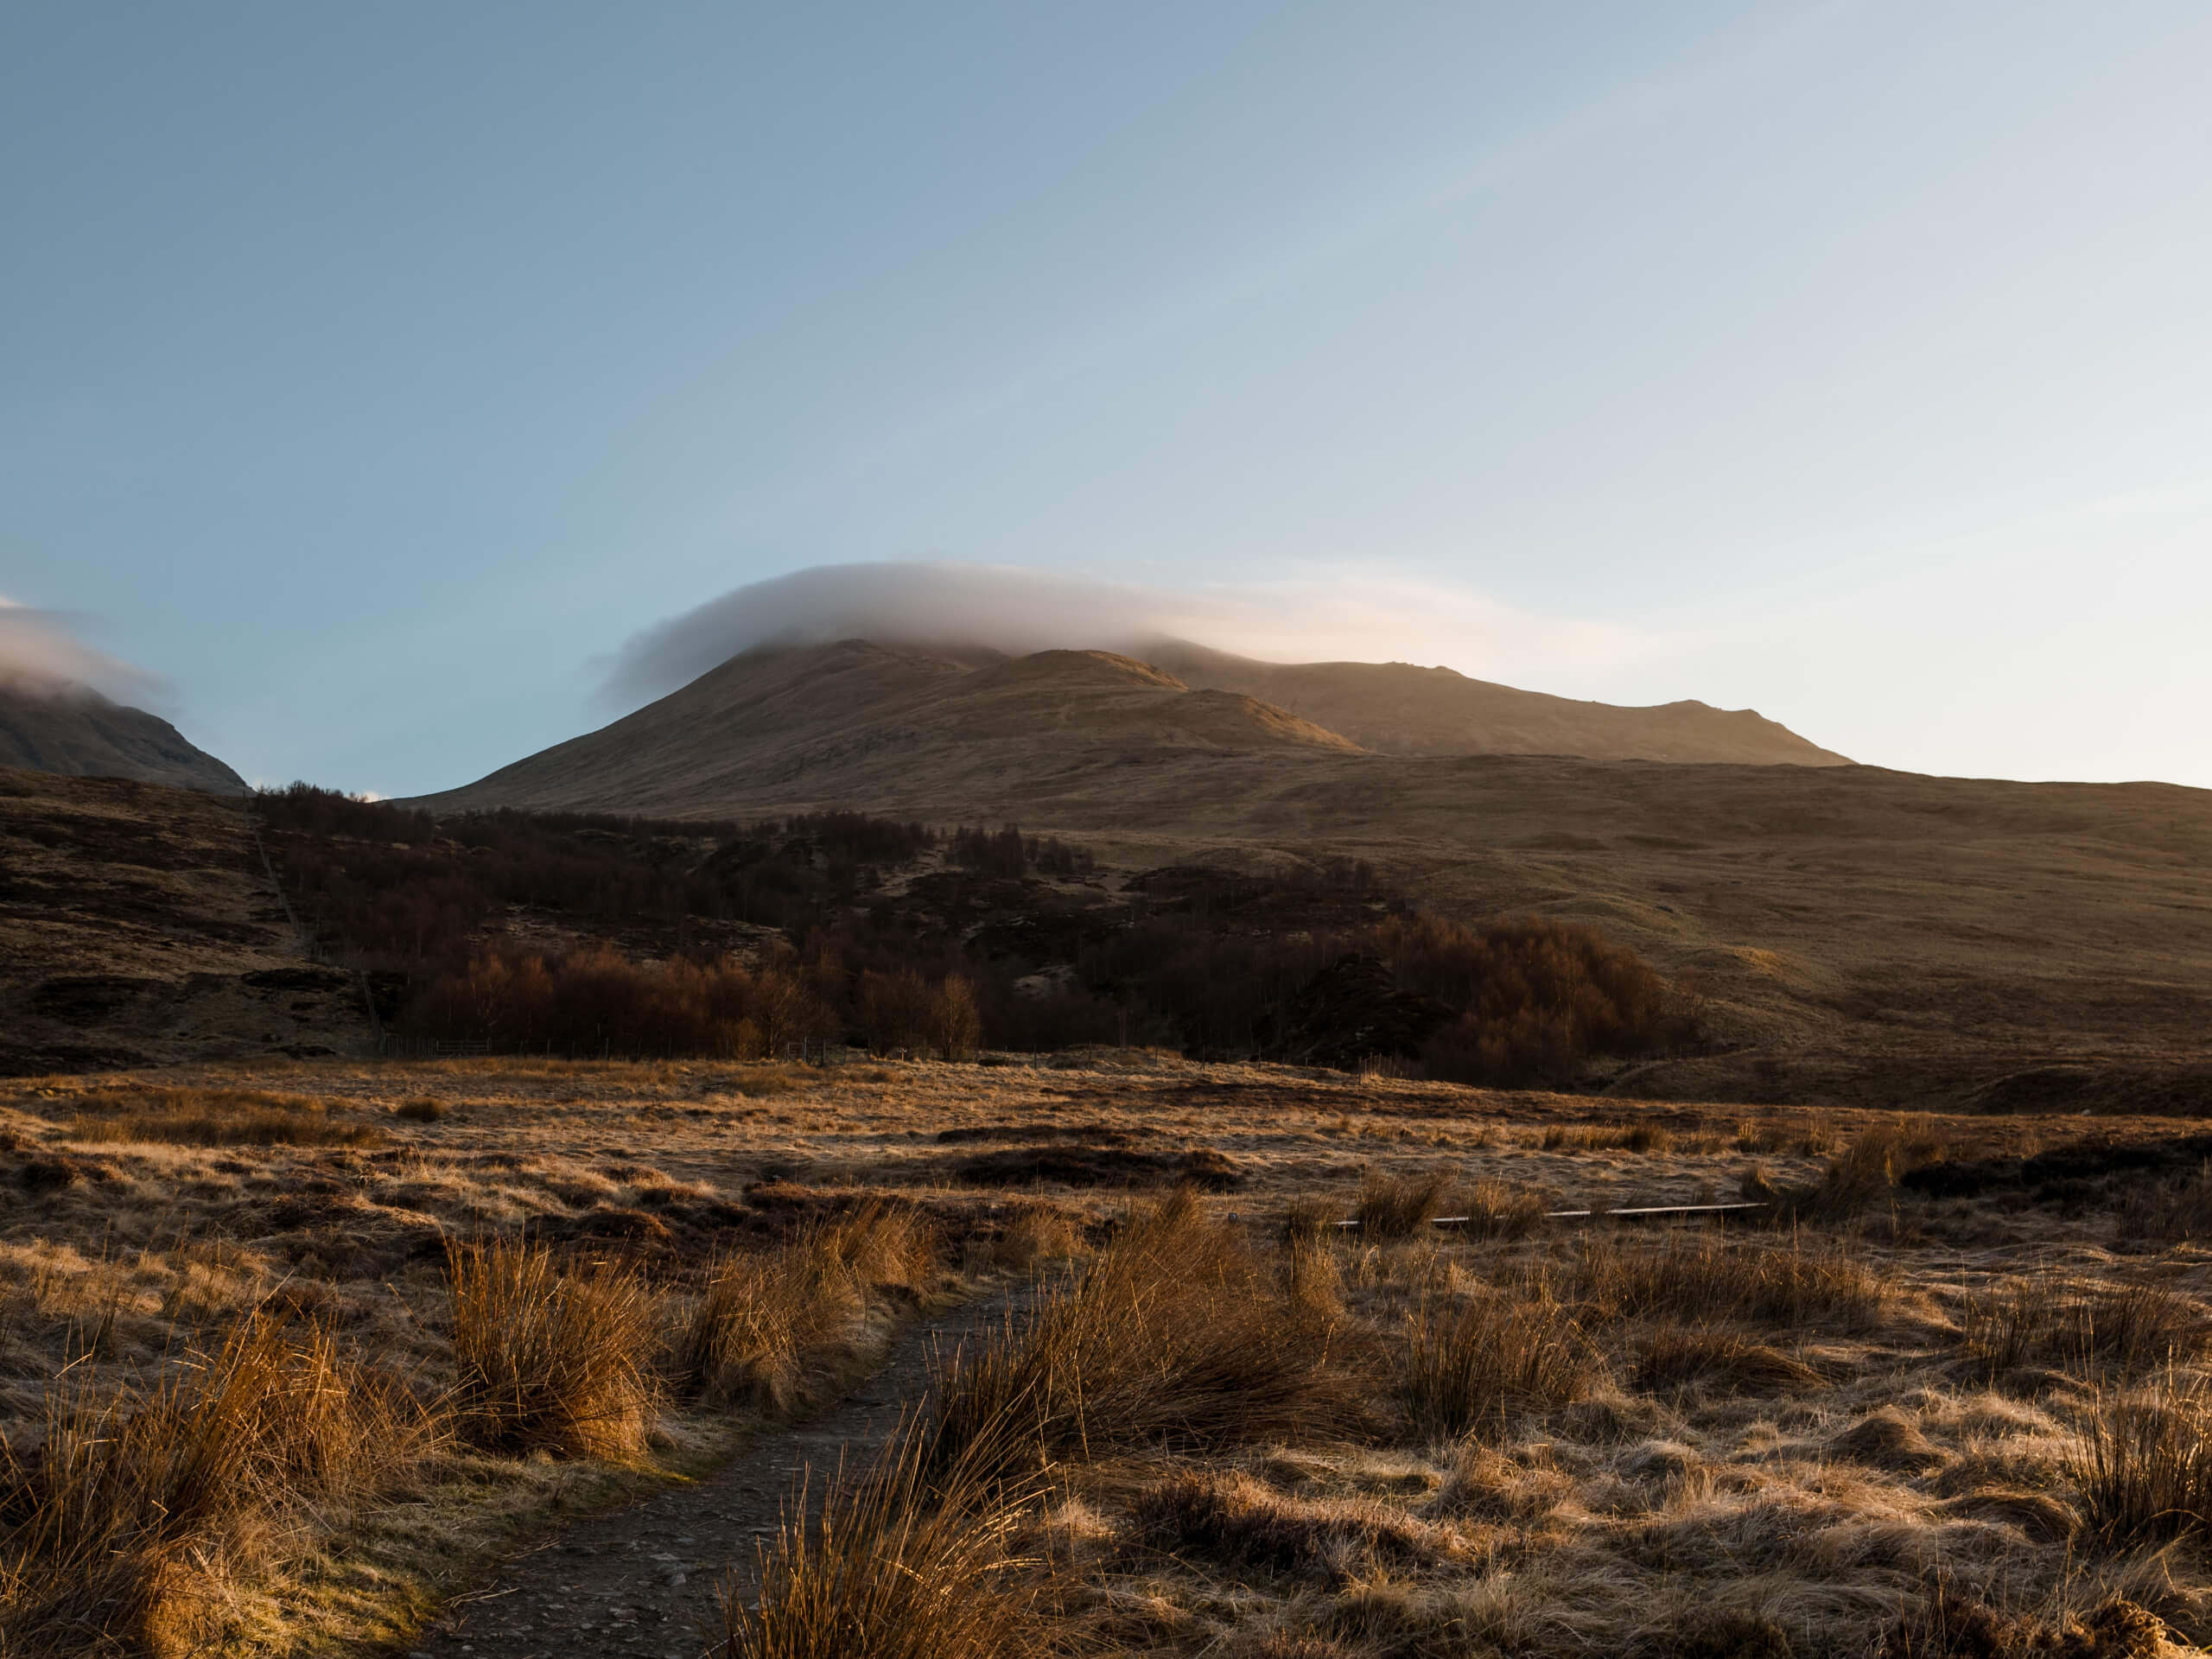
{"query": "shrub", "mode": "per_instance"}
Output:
(2127, 1332)
(1467, 1365)
(545, 1359)
(2000, 1328)
(1608, 1137)
(1536, 997)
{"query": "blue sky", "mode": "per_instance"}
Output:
(374, 374)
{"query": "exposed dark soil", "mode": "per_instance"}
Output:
(1090, 1166)
(1090, 1134)
(2063, 1174)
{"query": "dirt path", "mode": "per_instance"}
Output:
(646, 1579)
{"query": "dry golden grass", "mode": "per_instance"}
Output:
(547, 1359)
(1176, 1334)
(1397, 1206)
(1679, 1356)
(1776, 1438)
(911, 1557)
(213, 1117)
(1468, 1365)
(761, 1316)
(1709, 1274)
(2145, 1466)
(1241, 1524)
(122, 1527)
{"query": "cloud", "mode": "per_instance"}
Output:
(1332, 615)
(41, 655)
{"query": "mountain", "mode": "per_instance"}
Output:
(1397, 709)
(80, 733)
(854, 722)
(947, 732)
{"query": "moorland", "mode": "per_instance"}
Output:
(310, 1340)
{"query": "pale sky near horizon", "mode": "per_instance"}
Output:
(374, 374)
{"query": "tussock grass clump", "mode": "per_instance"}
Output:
(1309, 1220)
(1952, 1624)
(545, 1359)
(1707, 1274)
(1678, 1356)
(1037, 1233)
(119, 1530)
(1607, 1137)
(1398, 1206)
(1864, 1174)
(2127, 1332)
(761, 1314)
(2144, 1467)
(1236, 1521)
(1175, 1335)
(1465, 1366)
(213, 1117)
(1497, 1209)
(2173, 1214)
(2002, 1327)
(911, 1558)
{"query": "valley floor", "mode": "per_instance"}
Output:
(1943, 1395)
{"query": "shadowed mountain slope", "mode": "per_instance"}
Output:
(81, 734)
(1397, 709)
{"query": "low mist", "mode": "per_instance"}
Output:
(40, 656)
(1338, 616)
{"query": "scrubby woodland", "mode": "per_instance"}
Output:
(574, 935)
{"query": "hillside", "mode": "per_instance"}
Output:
(856, 723)
(852, 721)
(1397, 709)
(138, 926)
(1863, 934)
(80, 733)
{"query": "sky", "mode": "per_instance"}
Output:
(381, 381)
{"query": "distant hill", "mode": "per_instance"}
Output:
(80, 733)
(1397, 709)
(947, 731)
